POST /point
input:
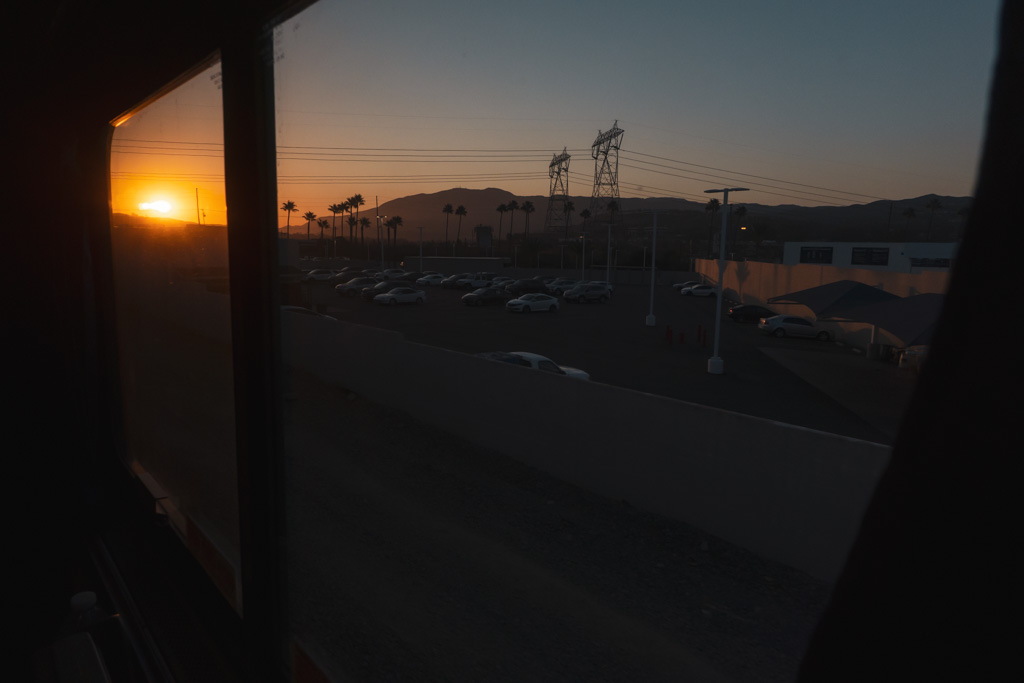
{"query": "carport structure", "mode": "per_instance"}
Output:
(911, 319)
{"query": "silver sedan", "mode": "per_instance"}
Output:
(532, 302)
(401, 295)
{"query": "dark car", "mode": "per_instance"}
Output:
(451, 282)
(527, 287)
(586, 293)
(749, 313)
(484, 296)
(354, 286)
(381, 287)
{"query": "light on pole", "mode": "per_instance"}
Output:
(583, 258)
(715, 364)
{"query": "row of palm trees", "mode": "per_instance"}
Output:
(350, 205)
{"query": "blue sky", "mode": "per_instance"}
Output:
(873, 99)
(804, 102)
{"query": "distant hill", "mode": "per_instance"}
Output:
(873, 221)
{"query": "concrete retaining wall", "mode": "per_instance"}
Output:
(788, 493)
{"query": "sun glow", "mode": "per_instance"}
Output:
(160, 205)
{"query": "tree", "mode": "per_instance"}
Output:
(501, 215)
(447, 210)
(288, 207)
(527, 209)
(335, 209)
(460, 212)
(933, 205)
(364, 223)
(354, 202)
(310, 217)
(352, 222)
(569, 209)
(396, 223)
(712, 207)
(322, 222)
(910, 215)
(512, 206)
(585, 214)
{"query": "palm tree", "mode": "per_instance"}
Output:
(569, 209)
(396, 223)
(585, 214)
(335, 209)
(512, 206)
(288, 207)
(460, 212)
(910, 215)
(310, 217)
(447, 210)
(712, 207)
(354, 202)
(527, 209)
(501, 215)
(933, 205)
(364, 223)
(352, 222)
(322, 222)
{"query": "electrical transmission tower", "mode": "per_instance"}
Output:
(605, 151)
(558, 171)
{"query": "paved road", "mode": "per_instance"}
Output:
(415, 556)
(823, 386)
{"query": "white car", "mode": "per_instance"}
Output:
(431, 280)
(536, 362)
(319, 275)
(699, 290)
(684, 285)
(401, 295)
(501, 281)
(390, 274)
(535, 301)
(792, 326)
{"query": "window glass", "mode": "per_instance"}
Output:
(454, 517)
(169, 242)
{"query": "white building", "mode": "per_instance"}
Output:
(905, 257)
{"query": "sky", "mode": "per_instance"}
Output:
(803, 102)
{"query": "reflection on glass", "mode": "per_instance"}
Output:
(169, 241)
(455, 514)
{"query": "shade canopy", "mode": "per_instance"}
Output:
(911, 319)
(831, 300)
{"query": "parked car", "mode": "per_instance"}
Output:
(354, 286)
(749, 313)
(318, 275)
(610, 286)
(699, 290)
(484, 296)
(534, 301)
(431, 280)
(559, 286)
(588, 293)
(401, 295)
(451, 282)
(390, 274)
(502, 281)
(526, 286)
(792, 326)
(381, 287)
(684, 285)
(534, 361)
(476, 281)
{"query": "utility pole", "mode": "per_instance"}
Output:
(715, 364)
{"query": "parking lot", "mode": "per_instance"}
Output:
(805, 382)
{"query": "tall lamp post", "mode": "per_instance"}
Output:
(654, 249)
(715, 364)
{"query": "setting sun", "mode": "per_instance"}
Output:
(161, 206)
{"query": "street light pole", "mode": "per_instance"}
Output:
(715, 364)
(654, 247)
(421, 248)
